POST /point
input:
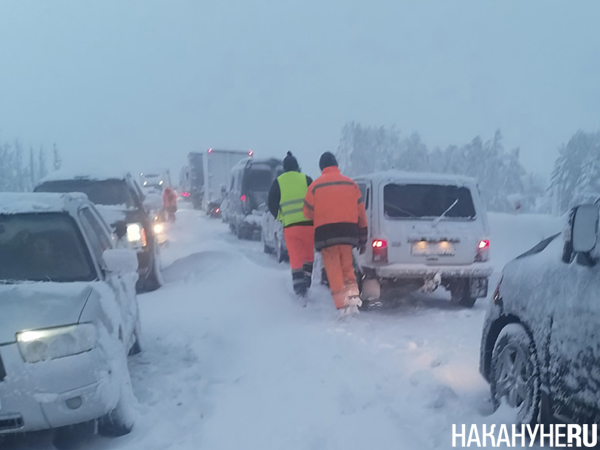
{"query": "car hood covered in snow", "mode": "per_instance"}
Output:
(30, 306)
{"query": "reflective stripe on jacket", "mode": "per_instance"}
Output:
(292, 187)
(334, 203)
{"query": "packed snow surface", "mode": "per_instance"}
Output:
(232, 360)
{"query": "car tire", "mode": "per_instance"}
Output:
(514, 374)
(154, 279)
(459, 293)
(280, 252)
(120, 420)
(266, 248)
(115, 423)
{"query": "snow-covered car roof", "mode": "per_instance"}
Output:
(418, 177)
(62, 175)
(19, 203)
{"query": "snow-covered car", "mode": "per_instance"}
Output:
(540, 349)
(251, 179)
(272, 237)
(425, 230)
(122, 204)
(68, 316)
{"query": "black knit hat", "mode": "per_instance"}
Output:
(327, 160)
(290, 163)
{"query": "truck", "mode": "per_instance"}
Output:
(208, 175)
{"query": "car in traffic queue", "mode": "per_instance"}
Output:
(424, 231)
(68, 316)
(249, 185)
(272, 237)
(540, 348)
(121, 202)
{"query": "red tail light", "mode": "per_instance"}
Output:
(209, 150)
(483, 249)
(243, 198)
(250, 153)
(380, 253)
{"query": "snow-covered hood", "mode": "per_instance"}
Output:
(31, 306)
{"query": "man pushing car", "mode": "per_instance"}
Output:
(335, 205)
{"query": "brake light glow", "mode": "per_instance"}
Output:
(250, 153)
(483, 250)
(380, 253)
(209, 150)
(185, 194)
(243, 198)
(379, 243)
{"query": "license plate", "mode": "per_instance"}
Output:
(424, 248)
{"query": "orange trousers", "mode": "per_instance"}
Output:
(300, 243)
(340, 273)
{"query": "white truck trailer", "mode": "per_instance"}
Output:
(217, 166)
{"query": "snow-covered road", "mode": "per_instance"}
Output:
(233, 361)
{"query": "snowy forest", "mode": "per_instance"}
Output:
(505, 184)
(20, 170)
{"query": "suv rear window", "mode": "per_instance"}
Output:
(258, 178)
(427, 201)
(101, 192)
(43, 247)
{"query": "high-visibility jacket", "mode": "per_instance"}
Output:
(292, 186)
(286, 198)
(335, 205)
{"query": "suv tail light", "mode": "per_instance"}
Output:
(380, 253)
(243, 198)
(483, 250)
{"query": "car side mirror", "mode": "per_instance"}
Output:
(584, 232)
(120, 260)
(120, 228)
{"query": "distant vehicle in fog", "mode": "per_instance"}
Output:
(120, 200)
(68, 316)
(207, 173)
(425, 231)
(155, 180)
(540, 349)
(249, 186)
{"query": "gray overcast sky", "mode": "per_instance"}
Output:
(139, 84)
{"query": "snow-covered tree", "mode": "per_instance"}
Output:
(576, 175)
(499, 173)
(57, 161)
(42, 167)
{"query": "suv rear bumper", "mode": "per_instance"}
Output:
(479, 270)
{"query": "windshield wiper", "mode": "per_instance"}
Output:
(437, 220)
(389, 205)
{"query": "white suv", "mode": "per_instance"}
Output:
(425, 230)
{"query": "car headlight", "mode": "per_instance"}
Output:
(136, 234)
(53, 343)
(159, 228)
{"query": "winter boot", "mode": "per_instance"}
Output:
(308, 268)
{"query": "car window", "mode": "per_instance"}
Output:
(258, 178)
(101, 192)
(364, 193)
(95, 233)
(427, 201)
(43, 247)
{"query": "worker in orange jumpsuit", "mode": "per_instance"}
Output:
(286, 200)
(335, 205)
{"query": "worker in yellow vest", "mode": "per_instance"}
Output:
(286, 201)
